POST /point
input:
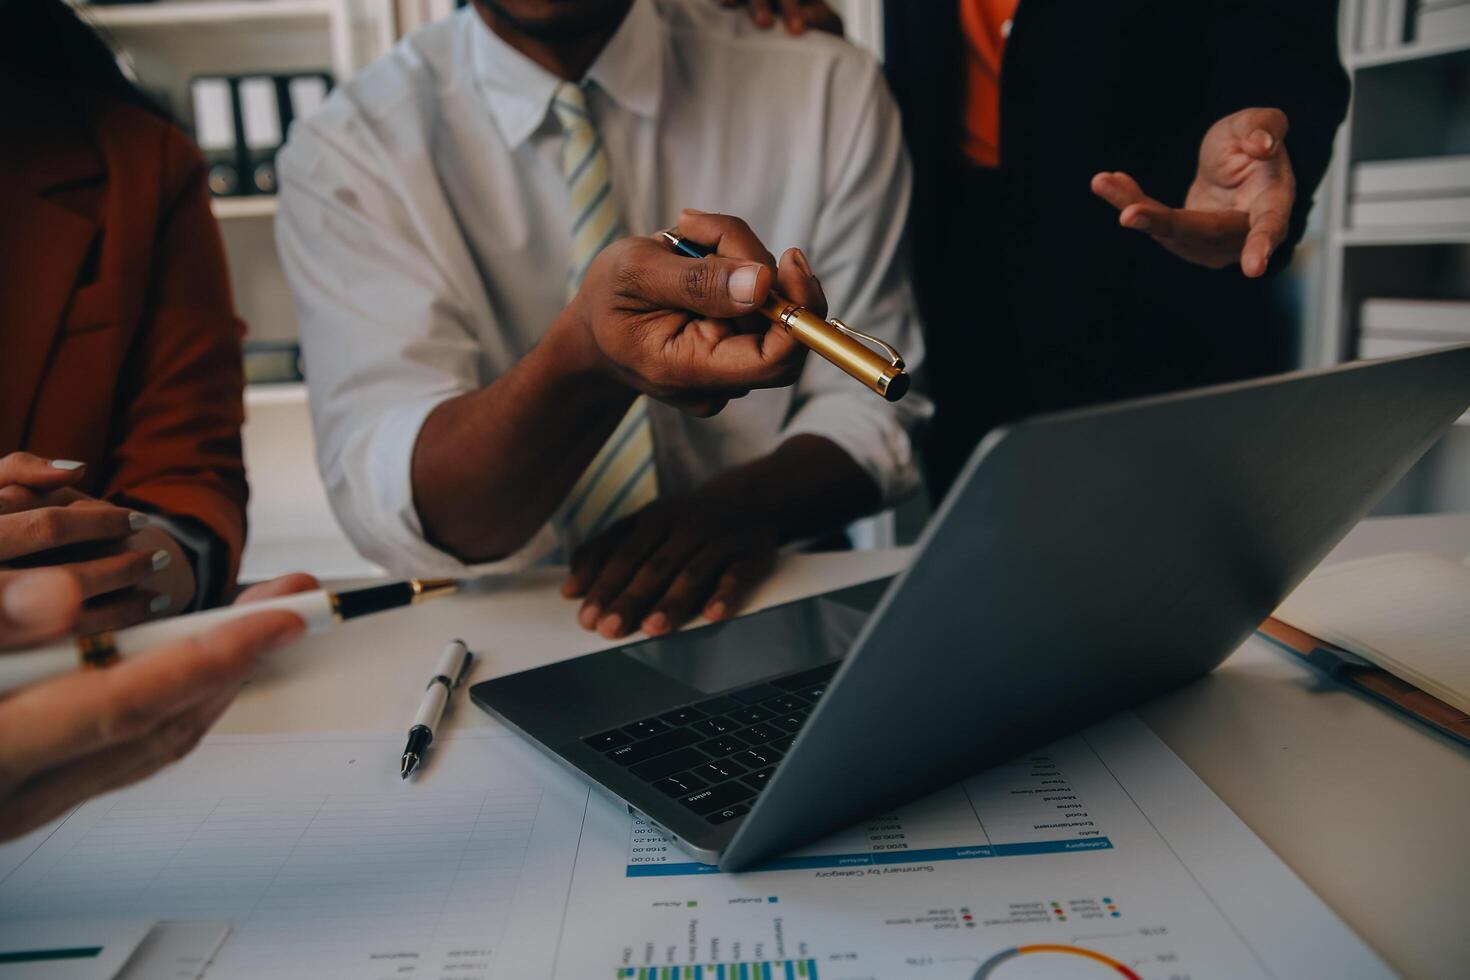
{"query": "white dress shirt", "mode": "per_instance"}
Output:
(425, 233)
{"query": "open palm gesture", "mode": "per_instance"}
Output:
(1239, 206)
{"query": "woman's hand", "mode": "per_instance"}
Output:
(65, 740)
(128, 571)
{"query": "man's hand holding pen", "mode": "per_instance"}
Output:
(688, 332)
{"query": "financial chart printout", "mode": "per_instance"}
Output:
(1100, 856)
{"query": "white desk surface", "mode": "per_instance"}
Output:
(1367, 806)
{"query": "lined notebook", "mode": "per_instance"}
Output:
(1408, 613)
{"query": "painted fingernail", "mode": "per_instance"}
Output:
(137, 521)
(160, 604)
(587, 615)
(742, 283)
(657, 623)
(716, 610)
(611, 627)
(67, 464)
(161, 559)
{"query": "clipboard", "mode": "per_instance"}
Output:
(1373, 681)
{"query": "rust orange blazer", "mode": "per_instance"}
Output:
(119, 344)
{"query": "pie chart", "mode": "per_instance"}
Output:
(1106, 965)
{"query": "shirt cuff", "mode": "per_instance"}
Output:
(377, 510)
(875, 436)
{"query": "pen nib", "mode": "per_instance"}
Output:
(410, 762)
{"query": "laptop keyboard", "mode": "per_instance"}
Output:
(716, 755)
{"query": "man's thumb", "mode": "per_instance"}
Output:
(714, 286)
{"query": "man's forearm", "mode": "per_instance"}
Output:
(491, 466)
(808, 486)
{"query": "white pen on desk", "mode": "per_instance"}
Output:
(454, 664)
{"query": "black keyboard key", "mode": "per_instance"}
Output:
(782, 744)
(649, 748)
(724, 745)
(816, 677)
(717, 797)
(758, 757)
(728, 813)
(681, 716)
(750, 715)
(681, 785)
(667, 765)
(718, 706)
(791, 723)
(710, 727)
(813, 693)
(647, 728)
(756, 734)
(718, 772)
(784, 704)
(757, 780)
(754, 695)
(607, 740)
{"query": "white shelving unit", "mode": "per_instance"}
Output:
(258, 206)
(1411, 101)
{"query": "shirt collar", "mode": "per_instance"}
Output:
(629, 70)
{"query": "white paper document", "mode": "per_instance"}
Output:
(73, 948)
(1100, 856)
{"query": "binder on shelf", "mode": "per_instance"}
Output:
(260, 124)
(1448, 320)
(215, 130)
(1371, 348)
(1439, 20)
(1434, 212)
(1447, 176)
(1372, 24)
(1398, 23)
(304, 94)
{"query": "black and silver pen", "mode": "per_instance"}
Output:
(454, 664)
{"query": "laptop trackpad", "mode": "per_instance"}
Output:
(766, 644)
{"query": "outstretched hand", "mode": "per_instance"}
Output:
(1239, 207)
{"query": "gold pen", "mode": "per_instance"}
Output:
(845, 347)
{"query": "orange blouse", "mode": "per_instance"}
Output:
(985, 24)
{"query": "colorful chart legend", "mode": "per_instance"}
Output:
(764, 970)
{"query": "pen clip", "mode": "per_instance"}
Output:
(464, 669)
(895, 359)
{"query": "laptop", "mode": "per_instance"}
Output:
(1084, 561)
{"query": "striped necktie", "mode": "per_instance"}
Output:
(621, 479)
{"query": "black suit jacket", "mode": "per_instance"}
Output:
(1078, 310)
